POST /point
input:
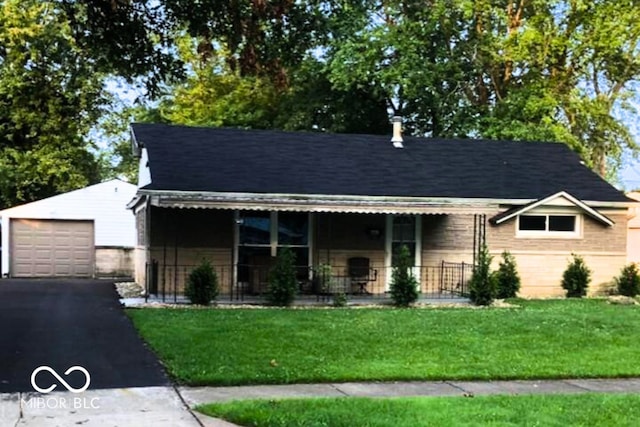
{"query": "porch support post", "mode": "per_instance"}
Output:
(418, 257)
(311, 241)
(164, 251)
(175, 263)
(234, 252)
(388, 237)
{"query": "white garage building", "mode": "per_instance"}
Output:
(83, 233)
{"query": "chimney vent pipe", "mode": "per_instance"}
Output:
(397, 132)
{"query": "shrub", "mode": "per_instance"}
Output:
(507, 278)
(323, 279)
(404, 286)
(482, 286)
(202, 284)
(340, 299)
(628, 283)
(576, 278)
(282, 279)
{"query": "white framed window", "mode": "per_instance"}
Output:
(549, 225)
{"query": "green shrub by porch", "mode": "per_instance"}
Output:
(628, 283)
(482, 286)
(202, 284)
(404, 286)
(508, 280)
(576, 278)
(282, 279)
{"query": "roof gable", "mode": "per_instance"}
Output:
(560, 196)
(195, 159)
(65, 205)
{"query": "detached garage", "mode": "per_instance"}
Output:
(83, 233)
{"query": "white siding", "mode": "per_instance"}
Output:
(104, 203)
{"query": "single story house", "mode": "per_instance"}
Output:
(83, 233)
(344, 203)
(633, 236)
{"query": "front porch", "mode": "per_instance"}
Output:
(445, 281)
(337, 253)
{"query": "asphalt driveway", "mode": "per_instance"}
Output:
(65, 323)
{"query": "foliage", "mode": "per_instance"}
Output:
(340, 299)
(316, 345)
(507, 278)
(202, 284)
(628, 283)
(282, 279)
(540, 70)
(482, 286)
(576, 278)
(404, 286)
(50, 96)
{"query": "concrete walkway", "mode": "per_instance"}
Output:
(162, 406)
(198, 395)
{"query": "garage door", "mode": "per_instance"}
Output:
(50, 248)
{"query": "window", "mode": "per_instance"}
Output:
(262, 234)
(548, 226)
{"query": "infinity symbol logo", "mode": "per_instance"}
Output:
(59, 378)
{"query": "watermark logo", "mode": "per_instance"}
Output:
(39, 369)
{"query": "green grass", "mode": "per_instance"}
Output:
(556, 410)
(543, 339)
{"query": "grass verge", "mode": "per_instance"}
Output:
(529, 410)
(543, 339)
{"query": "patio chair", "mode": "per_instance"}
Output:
(360, 273)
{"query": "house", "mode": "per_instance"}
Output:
(83, 233)
(633, 236)
(235, 197)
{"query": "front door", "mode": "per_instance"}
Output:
(403, 230)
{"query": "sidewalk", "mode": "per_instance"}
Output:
(199, 395)
(162, 406)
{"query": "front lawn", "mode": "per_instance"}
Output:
(556, 410)
(543, 339)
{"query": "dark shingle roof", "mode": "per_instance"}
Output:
(232, 160)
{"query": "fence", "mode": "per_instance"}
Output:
(247, 282)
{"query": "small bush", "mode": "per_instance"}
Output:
(507, 278)
(404, 286)
(202, 284)
(482, 286)
(282, 279)
(323, 279)
(340, 299)
(576, 278)
(628, 283)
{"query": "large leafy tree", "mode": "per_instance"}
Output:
(214, 94)
(50, 96)
(522, 69)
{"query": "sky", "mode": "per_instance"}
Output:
(630, 175)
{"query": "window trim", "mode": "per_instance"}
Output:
(549, 234)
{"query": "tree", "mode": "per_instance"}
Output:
(628, 282)
(282, 279)
(482, 286)
(404, 286)
(202, 284)
(528, 70)
(507, 278)
(576, 278)
(135, 38)
(50, 96)
(215, 95)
